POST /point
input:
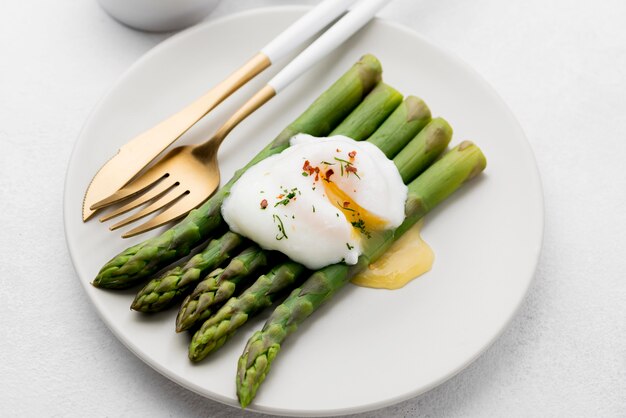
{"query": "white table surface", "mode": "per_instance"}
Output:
(559, 64)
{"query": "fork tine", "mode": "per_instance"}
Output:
(155, 192)
(145, 180)
(160, 203)
(174, 212)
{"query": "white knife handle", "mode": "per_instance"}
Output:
(304, 28)
(354, 20)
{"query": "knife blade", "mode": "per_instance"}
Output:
(135, 155)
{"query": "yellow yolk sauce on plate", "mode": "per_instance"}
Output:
(408, 257)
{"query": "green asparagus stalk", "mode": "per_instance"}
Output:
(219, 286)
(143, 260)
(172, 285)
(387, 99)
(220, 327)
(360, 124)
(216, 330)
(429, 189)
(403, 124)
(429, 143)
(375, 107)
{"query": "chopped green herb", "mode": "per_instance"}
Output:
(305, 174)
(349, 246)
(290, 194)
(360, 225)
(281, 228)
(313, 208)
(282, 202)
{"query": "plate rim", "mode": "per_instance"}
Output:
(536, 178)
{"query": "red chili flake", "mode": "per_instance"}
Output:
(263, 203)
(317, 177)
(352, 154)
(308, 168)
(317, 169)
(346, 204)
(280, 196)
(329, 173)
(351, 169)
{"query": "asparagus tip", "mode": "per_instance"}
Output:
(245, 391)
(135, 305)
(244, 399)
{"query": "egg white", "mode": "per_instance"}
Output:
(281, 206)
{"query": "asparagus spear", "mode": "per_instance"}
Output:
(216, 330)
(220, 285)
(171, 285)
(143, 260)
(403, 124)
(429, 189)
(361, 123)
(429, 143)
(357, 128)
(381, 102)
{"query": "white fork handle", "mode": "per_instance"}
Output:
(304, 28)
(354, 20)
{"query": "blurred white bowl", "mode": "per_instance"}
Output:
(158, 15)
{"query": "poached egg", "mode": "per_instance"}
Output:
(318, 201)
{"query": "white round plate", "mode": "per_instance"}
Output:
(366, 348)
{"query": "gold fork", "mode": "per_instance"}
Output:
(188, 175)
(181, 180)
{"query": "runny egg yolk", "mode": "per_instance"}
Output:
(361, 219)
(409, 257)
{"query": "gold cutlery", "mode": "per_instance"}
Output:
(143, 149)
(188, 175)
